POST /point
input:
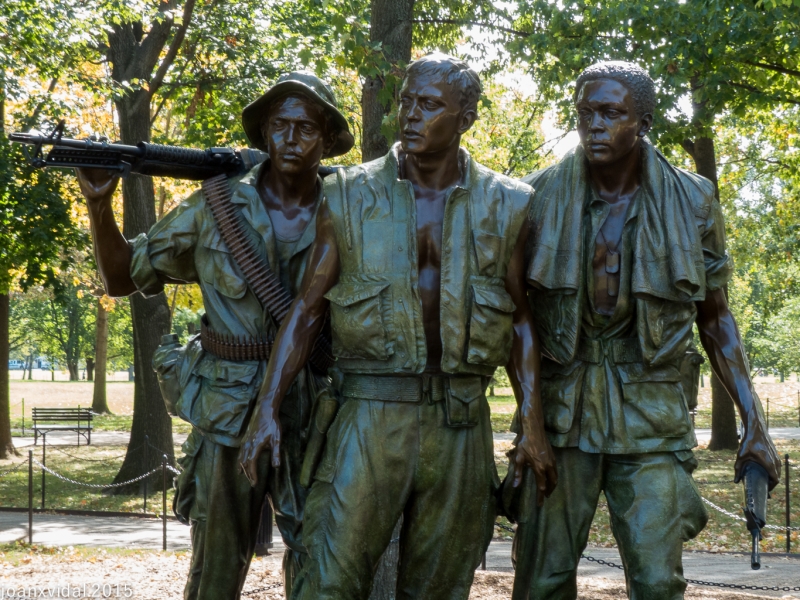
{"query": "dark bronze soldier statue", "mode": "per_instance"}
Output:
(626, 254)
(297, 123)
(419, 256)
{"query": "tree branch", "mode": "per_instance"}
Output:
(476, 23)
(752, 88)
(688, 145)
(188, 10)
(770, 67)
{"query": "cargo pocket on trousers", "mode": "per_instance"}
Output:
(462, 401)
(694, 515)
(357, 320)
(185, 483)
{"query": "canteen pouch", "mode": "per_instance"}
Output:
(461, 397)
(165, 363)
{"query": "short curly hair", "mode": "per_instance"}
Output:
(455, 72)
(633, 77)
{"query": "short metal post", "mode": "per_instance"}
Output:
(702, 381)
(694, 413)
(30, 496)
(767, 413)
(788, 513)
(483, 562)
(79, 425)
(164, 499)
(44, 463)
(23, 412)
(146, 468)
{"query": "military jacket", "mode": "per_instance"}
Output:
(376, 311)
(621, 404)
(186, 247)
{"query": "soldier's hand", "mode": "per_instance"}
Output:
(97, 185)
(263, 434)
(533, 450)
(757, 446)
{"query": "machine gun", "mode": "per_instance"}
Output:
(756, 484)
(144, 158)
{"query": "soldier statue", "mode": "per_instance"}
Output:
(419, 256)
(626, 253)
(297, 123)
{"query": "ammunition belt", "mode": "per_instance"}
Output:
(234, 347)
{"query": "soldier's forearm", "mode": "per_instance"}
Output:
(290, 352)
(111, 250)
(523, 372)
(723, 344)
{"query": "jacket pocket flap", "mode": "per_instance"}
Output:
(638, 373)
(215, 242)
(346, 294)
(466, 389)
(220, 371)
(494, 297)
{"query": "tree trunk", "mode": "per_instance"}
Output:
(89, 368)
(723, 411)
(72, 368)
(99, 399)
(390, 25)
(6, 445)
(30, 369)
(150, 316)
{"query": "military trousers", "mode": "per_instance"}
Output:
(384, 460)
(225, 513)
(654, 507)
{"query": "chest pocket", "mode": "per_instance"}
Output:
(490, 326)
(217, 267)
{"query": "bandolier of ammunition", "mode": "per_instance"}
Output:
(234, 347)
(264, 283)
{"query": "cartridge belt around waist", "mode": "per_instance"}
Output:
(623, 350)
(234, 347)
(389, 388)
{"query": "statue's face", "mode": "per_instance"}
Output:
(295, 134)
(431, 117)
(608, 126)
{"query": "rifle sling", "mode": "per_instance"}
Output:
(257, 272)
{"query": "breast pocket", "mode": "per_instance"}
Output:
(217, 267)
(357, 320)
(490, 326)
(654, 402)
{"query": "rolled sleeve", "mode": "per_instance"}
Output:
(718, 265)
(165, 254)
(143, 274)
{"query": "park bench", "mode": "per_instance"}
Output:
(56, 419)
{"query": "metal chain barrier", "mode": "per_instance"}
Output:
(12, 469)
(262, 589)
(95, 485)
(174, 470)
(99, 460)
(738, 518)
(733, 586)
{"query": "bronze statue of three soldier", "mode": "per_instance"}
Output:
(584, 280)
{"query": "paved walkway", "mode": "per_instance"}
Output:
(130, 532)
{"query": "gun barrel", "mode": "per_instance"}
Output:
(38, 138)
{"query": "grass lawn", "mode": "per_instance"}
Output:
(87, 464)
